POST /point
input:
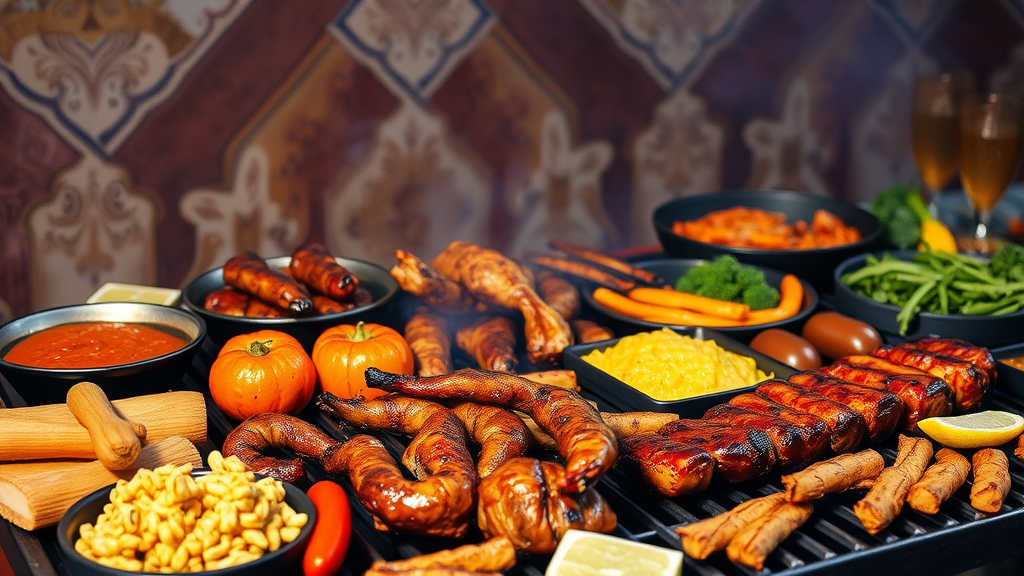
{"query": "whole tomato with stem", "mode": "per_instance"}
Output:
(343, 353)
(265, 371)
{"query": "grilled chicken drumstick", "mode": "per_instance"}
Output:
(249, 273)
(314, 266)
(427, 335)
(491, 340)
(494, 279)
(583, 439)
(670, 467)
(560, 294)
(255, 435)
(433, 289)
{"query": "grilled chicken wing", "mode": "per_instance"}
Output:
(583, 439)
(500, 434)
(494, 279)
(980, 356)
(794, 444)
(523, 500)
(559, 293)
(846, 427)
(968, 382)
(427, 284)
(740, 453)
(671, 467)
(314, 266)
(881, 410)
(250, 274)
(491, 340)
(427, 335)
(923, 395)
(586, 331)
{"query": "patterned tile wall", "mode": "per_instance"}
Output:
(148, 141)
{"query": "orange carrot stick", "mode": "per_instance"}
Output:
(791, 299)
(661, 314)
(693, 302)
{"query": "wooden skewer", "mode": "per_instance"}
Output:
(606, 261)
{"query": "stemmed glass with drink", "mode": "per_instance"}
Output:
(934, 128)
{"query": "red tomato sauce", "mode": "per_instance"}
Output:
(92, 345)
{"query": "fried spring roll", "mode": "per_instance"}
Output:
(585, 271)
(250, 274)
(605, 260)
(586, 331)
(228, 301)
(326, 305)
(625, 424)
(980, 356)
(491, 340)
(846, 426)
(939, 482)
(991, 480)
(923, 395)
(967, 381)
(885, 499)
(704, 538)
(833, 475)
(496, 554)
(314, 266)
(560, 294)
(740, 453)
(754, 543)
(881, 410)
(670, 467)
(794, 444)
(560, 378)
(427, 335)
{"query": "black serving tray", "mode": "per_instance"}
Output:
(1009, 379)
(626, 398)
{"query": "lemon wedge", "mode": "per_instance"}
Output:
(582, 553)
(978, 430)
(116, 292)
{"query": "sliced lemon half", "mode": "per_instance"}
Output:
(116, 292)
(582, 553)
(978, 430)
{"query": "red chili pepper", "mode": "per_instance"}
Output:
(332, 531)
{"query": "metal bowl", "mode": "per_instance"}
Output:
(670, 270)
(50, 385)
(306, 330)
(285, 560)
(815, 266)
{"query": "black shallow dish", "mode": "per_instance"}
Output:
(285, 560)
(670, 270)
(627, 398)
(377, 280)
(50, 385)
(1009, 379)
(815, 266)
(988, 331)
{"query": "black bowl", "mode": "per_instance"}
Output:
(285, 560)
(815, 266)
(670, 270)
(50, 385)
(981, 330)
(377, 280)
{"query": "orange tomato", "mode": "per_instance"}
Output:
(266, 371)
(343, 353)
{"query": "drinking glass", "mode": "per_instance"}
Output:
(934, 120)
(990, 145)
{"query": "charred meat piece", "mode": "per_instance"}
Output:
(587, 331)
(326, 305)
(432, 288)
(880, 409)
(228, 301)
(491, 341)
(669, 466)
(923, 395)
(980, 356)
(794, 444)
(314, 266)
(250, 274)
(259, 309)
(968, 382)
(559, 293)
(846, 426)
(500, 434)
(427, 335)
(740, 453)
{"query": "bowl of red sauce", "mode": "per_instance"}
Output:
(127, 348)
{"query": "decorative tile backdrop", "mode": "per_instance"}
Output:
(146, 141)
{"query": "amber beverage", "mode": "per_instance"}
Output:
(934, 122)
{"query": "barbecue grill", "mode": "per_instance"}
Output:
(832, 542)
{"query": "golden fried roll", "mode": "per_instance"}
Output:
(314, 266)
(496, 554)
(991, 480)
(939, 482)
(427, 335)
(754, 543)
(670, 467)
(560, 294)
(491, 341)
(250, 274)
(260, 309)
(833, 475)
(561, 378)
(704, 538)
(1019, 451)
(884, 501)
(587, 331)
(637, 423)
(228, 301)
(325, 305)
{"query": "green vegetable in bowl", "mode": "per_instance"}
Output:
(900, 223)
(725, 278)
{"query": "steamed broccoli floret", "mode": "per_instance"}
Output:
(720, 291)
(760, 297)
(901, 226)
(749, 277)
(1008, 263)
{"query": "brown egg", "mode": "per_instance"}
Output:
(787, 348)
(836, 335)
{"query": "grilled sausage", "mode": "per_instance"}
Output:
(967, 381)
(740, 453)
(314, 266)
(250, 274)
(980, 356)
(881, 410)
(846, 426)
(794, 444)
